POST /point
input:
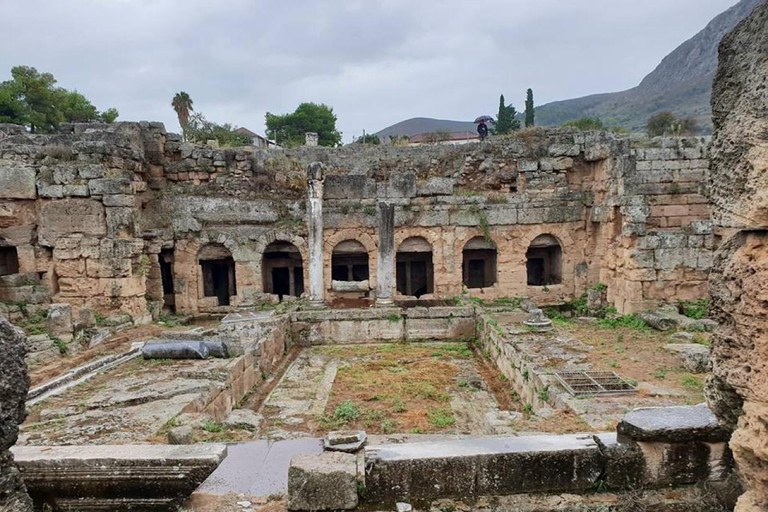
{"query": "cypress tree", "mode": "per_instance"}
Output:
(505, 120)
(529, 112)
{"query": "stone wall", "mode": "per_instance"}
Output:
(94, 210)
(739, 180)
(14, 384)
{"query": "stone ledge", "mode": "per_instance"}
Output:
(107, 478)
(673, 425)
(489, 466)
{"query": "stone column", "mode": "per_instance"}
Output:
(315, 229)
(385, 278)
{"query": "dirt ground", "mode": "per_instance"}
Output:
(639, 357)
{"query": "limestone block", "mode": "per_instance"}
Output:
(401, 184)
(120, 200)
(353, 186)
(326, 481)
(491, 466)
(596, 151)
(17, 182)
(244, 419)
(107, 478)
(59, 321)
(91, 171)
(437, 187)
(673, 425)
(121, 222)
(695, 357)
(527, 165)
(106, 186)
(564, 150)
(69, 216)
(48, 191)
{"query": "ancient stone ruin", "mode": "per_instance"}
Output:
(494, 326)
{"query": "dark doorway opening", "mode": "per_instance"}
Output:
(9, 260)
(218, 273)
(479, 263)
(544, 261)
(349, 262)
(414, 269)
(282, 270)
(166, 276)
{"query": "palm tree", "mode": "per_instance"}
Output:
(182, 104)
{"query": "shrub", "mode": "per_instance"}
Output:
(346, 412)
(441, 418)
(696, 309)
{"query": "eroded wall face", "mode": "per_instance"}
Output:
(92, 210)
(738, 392)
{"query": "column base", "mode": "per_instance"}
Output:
(384, 303)
(316, 304)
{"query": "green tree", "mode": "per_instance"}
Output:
(200, 130)
(666, 124)
(369, 138)
(506, 119)
(109, 115)
(586, 124)
(32, 99)
(182, 104)
(289, 129)
(529, 109)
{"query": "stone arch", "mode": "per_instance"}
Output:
(349, 262)
(279, 236)
(217, 273)
(334, 239)
(544, 261)
(414, 271)
(9, 258)
(479, 268)
(282, 269)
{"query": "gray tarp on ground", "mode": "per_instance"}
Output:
(176, 349)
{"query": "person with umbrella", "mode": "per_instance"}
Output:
(482, 127)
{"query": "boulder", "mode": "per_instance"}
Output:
(60, 321)
(327, 481)
(695, 357)
(243, 419)
(14, 385)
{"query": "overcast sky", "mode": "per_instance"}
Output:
(376, 62)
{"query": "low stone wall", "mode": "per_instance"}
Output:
(519, 368)
(654, 448)
(323, 327)
(264, 343)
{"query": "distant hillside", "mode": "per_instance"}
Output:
(419, 125)
(682, 83)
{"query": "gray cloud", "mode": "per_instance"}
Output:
(376, 63)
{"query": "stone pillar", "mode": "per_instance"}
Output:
(311, 139)
(385, 279)
(315, 229)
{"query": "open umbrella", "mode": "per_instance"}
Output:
(483, 119)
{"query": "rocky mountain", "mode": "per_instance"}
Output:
(682, 83)
(419, 125)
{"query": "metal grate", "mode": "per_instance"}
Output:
(594, 383)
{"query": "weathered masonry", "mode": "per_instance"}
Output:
(128, 218)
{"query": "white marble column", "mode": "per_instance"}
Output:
(385, 278)
(315, 229)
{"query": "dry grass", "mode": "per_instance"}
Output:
(395, 388)
(638, 356)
